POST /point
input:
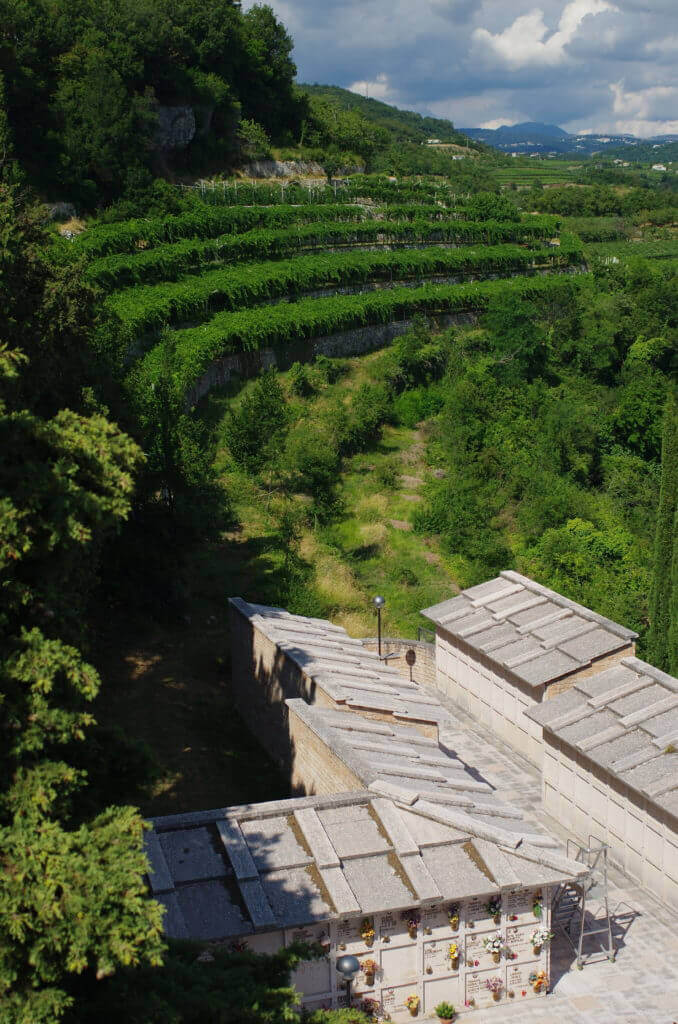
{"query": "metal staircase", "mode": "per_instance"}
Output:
(569, 906)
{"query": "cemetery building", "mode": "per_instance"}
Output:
(395, 850)
(611, 768)
(507, 645)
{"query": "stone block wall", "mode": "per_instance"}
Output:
(315, 769)
(589, 801)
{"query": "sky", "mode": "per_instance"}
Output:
(586, 65)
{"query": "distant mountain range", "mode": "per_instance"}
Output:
(535, 137)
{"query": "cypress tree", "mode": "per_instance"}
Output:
(662, 606)
(673, 606)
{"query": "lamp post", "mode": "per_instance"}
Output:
(348, 966)
(378, 603)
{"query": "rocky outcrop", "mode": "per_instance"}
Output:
(290, 169)
(176, 127)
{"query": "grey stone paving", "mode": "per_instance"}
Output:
(642, 984)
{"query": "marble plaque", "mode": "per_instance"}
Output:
(400, 964)
(519, 942)
(393, 1000)
(475, 951)
(312, 977)
(436, 920)
(518, 978)
(438, 989)
(348, 934)
(388, 926)
(264, 942)
(477, 990)
(435, 957)
(477, 915)
(519, 906)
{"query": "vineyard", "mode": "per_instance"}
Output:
(252, 267)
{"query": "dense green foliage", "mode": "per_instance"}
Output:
(84, 81)
(72, 898)
(550, 438)
(662, 636)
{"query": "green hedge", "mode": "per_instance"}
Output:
(657, 250)
(169, 262)
(196, 348)
(151, 307)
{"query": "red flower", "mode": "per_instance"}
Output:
(477, 963)
(523, 993)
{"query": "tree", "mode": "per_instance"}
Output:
(662, 602)
(256, 429)
(518, 338)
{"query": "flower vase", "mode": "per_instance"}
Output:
(369, 980)
(455, 963)
(454, 922)
(414, 1010)
(412, 933)
(496, 957)
(536, 950)
(496, 996)
(496, 918)
(369, 942)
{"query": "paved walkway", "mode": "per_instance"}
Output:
(642, 984)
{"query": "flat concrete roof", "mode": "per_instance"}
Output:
(262, 867)
(538, 635)
(625, 720)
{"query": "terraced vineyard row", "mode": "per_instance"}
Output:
(249, 330)
(168, 262)
(148, 308)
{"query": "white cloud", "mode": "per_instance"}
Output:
(378, 89)
(498, 122)
(643, 103)
(524, 43)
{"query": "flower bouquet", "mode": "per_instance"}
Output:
(453, 954)
(453, 916)
(367, 931)
(494, 945)
(537, 904)
(369, 969)
(494, 985)
(493, 907)
(539, 981)
(412, 1004)
(412, 919)
(540, 937)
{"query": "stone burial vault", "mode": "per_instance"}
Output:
(392, 849)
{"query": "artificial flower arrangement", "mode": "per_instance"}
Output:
(539, 981)
(537, 905)
(411, 919)
(540, 937)
(370, 1007)
(412, 1004)
(493, 907)
(369, 969)
(367, 931)
(494, 944)
(453, 916)
(494, 985)
(453, 953)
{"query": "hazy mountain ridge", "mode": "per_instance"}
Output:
(536, 137)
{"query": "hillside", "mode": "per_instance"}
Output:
(402, 125)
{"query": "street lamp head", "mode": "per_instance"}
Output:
(378, 601)
(348, 966)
